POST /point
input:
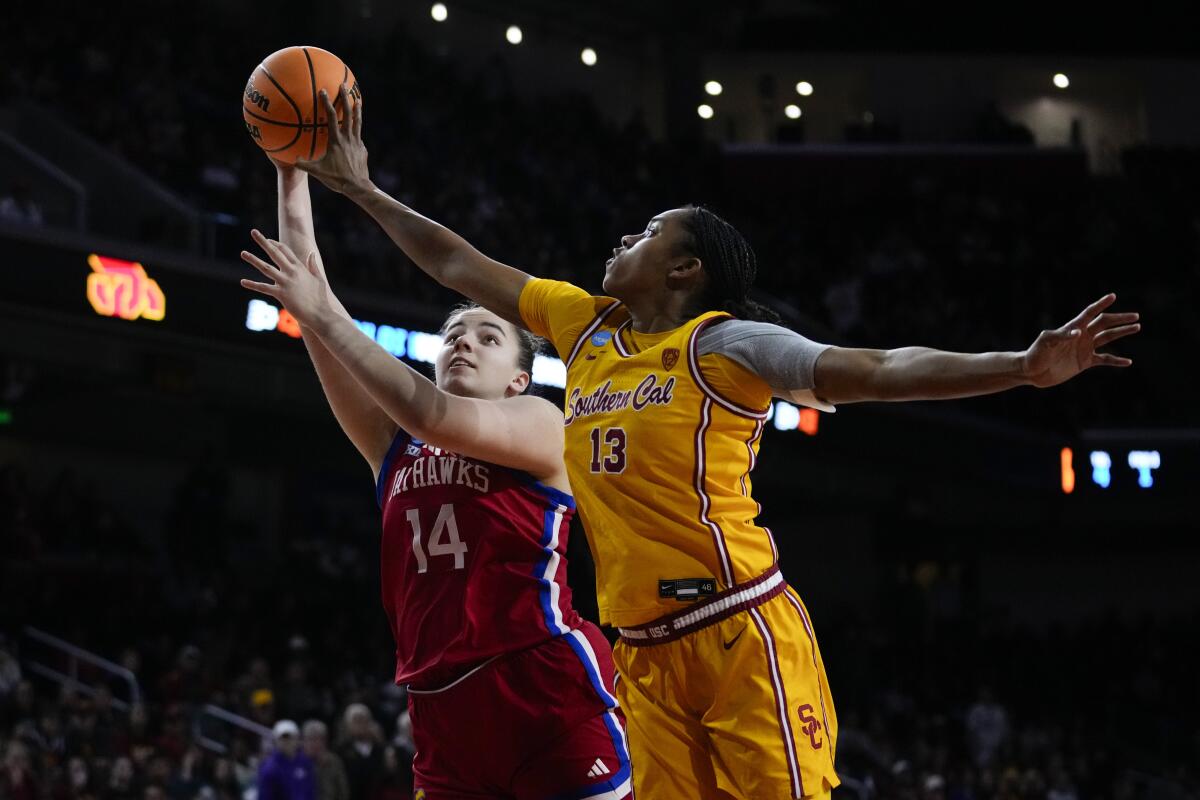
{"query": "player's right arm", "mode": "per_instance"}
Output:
(441, 253)
(364, 422)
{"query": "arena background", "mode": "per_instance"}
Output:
(1005, 588)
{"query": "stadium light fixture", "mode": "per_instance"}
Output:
(714, 88)
(792, 111)
(514, 35)
(804, 88)
(1061, 80)
(705, 111)
(439, 12)
(588, 56)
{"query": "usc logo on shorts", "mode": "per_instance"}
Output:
(419, 794)
(810, 726)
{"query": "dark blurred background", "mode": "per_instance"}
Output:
(1005, 588)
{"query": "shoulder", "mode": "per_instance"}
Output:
(537, 408)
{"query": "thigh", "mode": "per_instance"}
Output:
(667, 743)
(589, 761)
(771, 723)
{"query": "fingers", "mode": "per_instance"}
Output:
(266, 269)
(280, 252)
(1091, 311)
(1109, 360)
(1112, 320)
(356, 120)
(1112, 334)
(331, 120)
(344, 97)
(262, 288)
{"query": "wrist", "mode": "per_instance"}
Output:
(359, 189)
(1021, 368)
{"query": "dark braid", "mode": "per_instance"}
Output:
(729, 263)
(528, 345)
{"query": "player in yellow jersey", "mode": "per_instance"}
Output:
(669, 379)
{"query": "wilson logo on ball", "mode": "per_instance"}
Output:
(257, 98)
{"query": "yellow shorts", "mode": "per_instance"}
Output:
(740, 708)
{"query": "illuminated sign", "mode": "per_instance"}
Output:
(1068, 470)
(402, 343)
(122, 289)
(1101, 468)
(1143, 462)
(788, 417)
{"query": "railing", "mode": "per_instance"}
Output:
(63, 197)
(75, 656)
(211, 712)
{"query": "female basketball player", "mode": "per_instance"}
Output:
(719, 670)
(510, 691)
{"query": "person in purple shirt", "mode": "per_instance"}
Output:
(287, 774)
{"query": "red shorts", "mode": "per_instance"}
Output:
(538, 724)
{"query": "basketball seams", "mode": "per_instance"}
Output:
(284, 139)
(312, 81)
(291, 102)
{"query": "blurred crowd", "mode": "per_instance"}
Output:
(900, 253)
(939, 697)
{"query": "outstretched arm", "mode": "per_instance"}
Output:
(849, 375)
(367, 425)
(522, 432)
(439, 252)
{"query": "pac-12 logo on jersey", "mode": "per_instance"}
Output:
(601, 338)
(670, 357)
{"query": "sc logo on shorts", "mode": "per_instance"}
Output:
(420, 795)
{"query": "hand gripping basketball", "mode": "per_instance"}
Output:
(343, 168)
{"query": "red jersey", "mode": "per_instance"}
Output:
(472, 561)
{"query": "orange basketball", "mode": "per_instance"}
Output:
(284, 115)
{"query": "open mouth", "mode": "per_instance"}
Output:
(459, 362)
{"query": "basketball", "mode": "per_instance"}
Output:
(281, 104)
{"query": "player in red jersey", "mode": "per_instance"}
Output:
(510, 691)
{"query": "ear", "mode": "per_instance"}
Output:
(518, 384)
(685, 274)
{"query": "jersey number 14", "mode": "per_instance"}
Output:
(443, 539)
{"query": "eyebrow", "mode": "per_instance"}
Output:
(458, 323)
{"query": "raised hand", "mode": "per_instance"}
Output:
(1060, 354)
(299, 285)
(343, 168)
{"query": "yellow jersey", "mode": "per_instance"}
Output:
(660, 443)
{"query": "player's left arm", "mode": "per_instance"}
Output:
(523, 432)
(848, 375)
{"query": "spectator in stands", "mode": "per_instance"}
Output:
(10, 672)
(362, 751)
(987, 728)
(286, 774)
(332, 783)
(121, 781)
(17, 781)
(19, 206)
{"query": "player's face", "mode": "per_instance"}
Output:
(479, 357)
(643, 260)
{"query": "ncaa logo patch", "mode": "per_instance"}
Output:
(600, 338)
(670, 357)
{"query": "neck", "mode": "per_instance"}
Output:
(658, 314)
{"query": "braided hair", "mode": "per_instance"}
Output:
(728, 262)
(528, 345)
